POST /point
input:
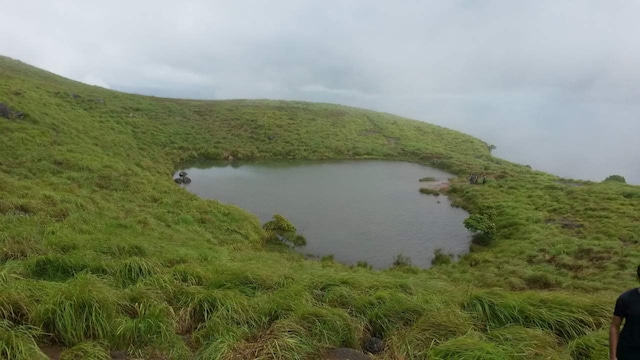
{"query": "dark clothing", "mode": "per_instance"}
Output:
(628, 308)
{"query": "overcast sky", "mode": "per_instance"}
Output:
(553, 84)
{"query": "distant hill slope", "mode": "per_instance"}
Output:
(100, 251)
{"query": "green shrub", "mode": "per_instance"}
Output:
(294, 239)
(615, 178)
(401, 260)
(440, 258)
(482, 227)
(279, 225)
(281, 229)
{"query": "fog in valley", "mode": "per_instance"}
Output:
(554, 85)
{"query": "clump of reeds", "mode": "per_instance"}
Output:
(88, 350)
(18, 342)
(134, 269)
(79, 310)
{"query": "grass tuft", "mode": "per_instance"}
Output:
(86, 351)
(591, 346)
(146, 324)
(197, 306)
(470, 346)
(55, 267)
(132, 270)
(556, 313)
(80, 310)
(18, 342)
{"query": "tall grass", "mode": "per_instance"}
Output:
(591, 346)
(132, 270)
(528, 343)
(146, 324)
(79, 310)
(558, 314)
(472, 346)
(440, 323)
(18, 342)
(18, 300)
(197, 305)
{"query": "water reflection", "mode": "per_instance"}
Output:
(355, 210)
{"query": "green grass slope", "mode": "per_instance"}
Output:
(101, 251)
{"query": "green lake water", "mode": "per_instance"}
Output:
(354, 210)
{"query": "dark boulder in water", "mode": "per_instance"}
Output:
(186, 180)
(182, 173)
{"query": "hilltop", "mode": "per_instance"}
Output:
(100, 250)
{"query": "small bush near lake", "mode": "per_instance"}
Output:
(616, 178)
(284, 231)
(482, 227)
(440, 258)
(402, 260)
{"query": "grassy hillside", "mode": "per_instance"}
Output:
(100, 250)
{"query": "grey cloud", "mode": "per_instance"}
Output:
(514, 73)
